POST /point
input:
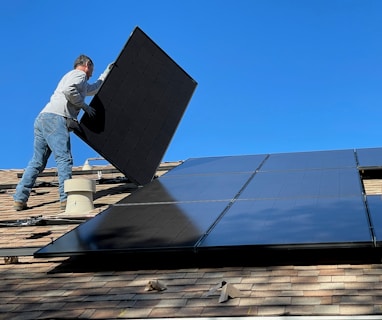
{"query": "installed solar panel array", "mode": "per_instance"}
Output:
(279, 200)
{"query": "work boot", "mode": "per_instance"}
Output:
(19, 205)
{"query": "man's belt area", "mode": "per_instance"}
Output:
(72, 124)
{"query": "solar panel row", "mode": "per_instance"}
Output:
(310, 199)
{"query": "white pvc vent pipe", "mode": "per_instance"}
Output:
(80, 195)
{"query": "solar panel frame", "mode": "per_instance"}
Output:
(304, 183)
(215, 187)
(140, 227)
(301, 221)
(310, 160)
(374, 205)
(369, 158)
(216, 165)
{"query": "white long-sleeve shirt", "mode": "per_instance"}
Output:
(69, 96)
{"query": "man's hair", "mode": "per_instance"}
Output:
(83, 60)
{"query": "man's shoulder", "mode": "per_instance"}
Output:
(75, 76)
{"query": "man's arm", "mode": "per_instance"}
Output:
(73, 93)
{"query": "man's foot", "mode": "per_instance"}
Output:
(19, 205)
(63, 205)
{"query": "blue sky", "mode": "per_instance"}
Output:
(273, 75)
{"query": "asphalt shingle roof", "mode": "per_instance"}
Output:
(67, 288)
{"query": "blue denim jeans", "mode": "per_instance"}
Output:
(51, 135)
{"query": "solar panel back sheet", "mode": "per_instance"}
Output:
(138, 108)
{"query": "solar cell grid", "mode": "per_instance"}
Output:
(222, 165)
(369, 157)
(190, 188)
(304, 183)
(310, 160)
(375, 212)
(198, 205)
(292, 221)
(140, 227)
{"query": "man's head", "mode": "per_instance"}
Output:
(85, 64)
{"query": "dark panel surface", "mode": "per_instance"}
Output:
(375, 211)
(229, 202)
(138, 108)
(369, 157)
(213, 165)
(297, 221)
(140, 227)
(304, 183)
(310, 160)
(190, 188)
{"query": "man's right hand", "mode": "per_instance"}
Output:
(106, 72)
(90, 111)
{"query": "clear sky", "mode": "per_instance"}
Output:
(273, 75)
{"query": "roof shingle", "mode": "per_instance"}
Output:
(50, 288)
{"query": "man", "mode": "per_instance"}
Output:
(51, 128)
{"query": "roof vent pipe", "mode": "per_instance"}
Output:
(80, 195)
(87, 165)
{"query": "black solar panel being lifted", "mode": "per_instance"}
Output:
(315, 199)
(138, 108)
